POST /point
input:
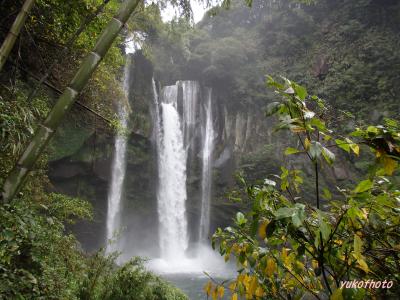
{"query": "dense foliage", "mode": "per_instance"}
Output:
(289, 246)
(344, 50)
(36, 256)
(40, 258)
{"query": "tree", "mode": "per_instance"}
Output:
(290, 244)
(45, 131)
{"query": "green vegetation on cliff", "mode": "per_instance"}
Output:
(348, 49)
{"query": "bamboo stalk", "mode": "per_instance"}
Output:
(12, 35)
(17, 176)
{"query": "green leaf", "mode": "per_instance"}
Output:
(389, 165)
(299, 215)
(343, 145)
(337, 295)
(272, 83)
(325, 229)
(290, 151)
(240, 219)
(358, 253)
(372, 130)
(328, 155)
(363, 186)
(300, 91)
(357, 246)
(284, 212)
(353, 146)
(319, 124)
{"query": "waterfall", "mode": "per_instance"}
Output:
(190, 99)
(206, 178)
(182, 129)
(118, 169)
(172, 180)
(157, 134)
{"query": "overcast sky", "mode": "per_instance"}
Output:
(198, 12)
(167, 15)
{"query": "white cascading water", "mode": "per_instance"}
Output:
(206, 178)
(157, 134)
(174, 135)
(118, 171)
(190, 98)
(172, 181)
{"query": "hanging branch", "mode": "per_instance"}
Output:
(67, 47)
(44, 132)
(12, 35)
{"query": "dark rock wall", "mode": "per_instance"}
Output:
(245, 142)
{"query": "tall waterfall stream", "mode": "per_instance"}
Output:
(171, 196)
(182, 128)
(118, 172)
(206, 178)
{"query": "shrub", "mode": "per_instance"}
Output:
(290, 246)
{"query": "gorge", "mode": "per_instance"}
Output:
(271, 125)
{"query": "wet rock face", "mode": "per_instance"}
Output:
(86, 174)
(64, 169)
